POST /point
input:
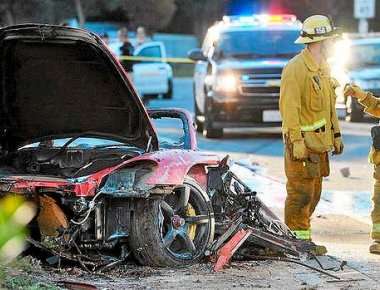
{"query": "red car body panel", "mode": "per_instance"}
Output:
(171, 167)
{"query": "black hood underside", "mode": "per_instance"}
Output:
(65, 85)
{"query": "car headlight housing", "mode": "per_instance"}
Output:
(129, 181)
(227, 83)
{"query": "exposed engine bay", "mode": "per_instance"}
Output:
(66, 162)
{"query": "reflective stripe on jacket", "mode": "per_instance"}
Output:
(303, 234)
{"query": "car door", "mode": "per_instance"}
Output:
(150, 72)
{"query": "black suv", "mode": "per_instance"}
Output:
(238, 72)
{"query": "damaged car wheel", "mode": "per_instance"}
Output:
(175, 230)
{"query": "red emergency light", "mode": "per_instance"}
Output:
(276, 17)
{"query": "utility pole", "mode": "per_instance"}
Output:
(364, 10)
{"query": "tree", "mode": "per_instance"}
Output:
(42, 11)
(152, 14)
(195, 16)
(8, 12)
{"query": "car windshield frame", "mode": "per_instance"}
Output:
(257, 43)
(79, 143)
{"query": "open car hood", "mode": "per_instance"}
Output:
(59, 81)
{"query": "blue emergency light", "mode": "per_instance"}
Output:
(260, 18)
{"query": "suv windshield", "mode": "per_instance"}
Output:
(257, 43)
(365, 55)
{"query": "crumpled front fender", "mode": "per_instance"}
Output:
(174, 165)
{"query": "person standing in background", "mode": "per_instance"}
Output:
(372, 107)
(141, 35)
(126, 49)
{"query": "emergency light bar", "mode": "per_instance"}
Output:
(255, 18)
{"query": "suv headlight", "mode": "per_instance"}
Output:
(227, 83)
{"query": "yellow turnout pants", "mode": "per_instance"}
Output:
(375, 214)
(304, 187)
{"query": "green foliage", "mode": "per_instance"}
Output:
(14, 215)
(3, 275)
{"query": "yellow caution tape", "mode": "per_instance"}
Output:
(157, 59)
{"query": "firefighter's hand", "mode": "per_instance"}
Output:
(299, 150)
(354, 91)
(338, 146)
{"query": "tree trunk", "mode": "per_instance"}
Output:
(10, 19)
(7, 10)
(80, 13)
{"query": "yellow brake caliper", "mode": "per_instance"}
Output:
(190, 211)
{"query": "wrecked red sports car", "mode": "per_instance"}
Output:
(76, 140)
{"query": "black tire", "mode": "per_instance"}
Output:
(354, 110)
(208, 129)
(169, 94)
(153, 223)
(213, 133)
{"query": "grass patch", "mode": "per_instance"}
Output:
(22, 282)
(3, 275)
(20, 275)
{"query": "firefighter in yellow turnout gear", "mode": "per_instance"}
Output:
(372, 107)
(310, 124)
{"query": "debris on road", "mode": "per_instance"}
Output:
(251, 224)
(74, 285)
(346, 172)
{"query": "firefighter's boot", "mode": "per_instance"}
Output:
(319, 250)
(375, 248)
